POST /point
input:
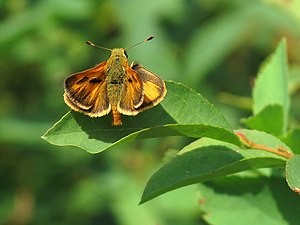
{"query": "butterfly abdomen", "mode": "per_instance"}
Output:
(116, 116)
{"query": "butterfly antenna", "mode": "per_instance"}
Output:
(147, 39)
(98, 46)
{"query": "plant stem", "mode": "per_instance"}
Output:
(278, 151)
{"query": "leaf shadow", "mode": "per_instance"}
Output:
(101, 129)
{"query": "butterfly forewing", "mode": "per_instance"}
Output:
(154, 87)
(86, 91)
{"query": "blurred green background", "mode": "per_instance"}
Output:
(215, 47)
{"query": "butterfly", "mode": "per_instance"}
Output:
(114, 86)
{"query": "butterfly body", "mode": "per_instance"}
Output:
(114, 86)
(115, 79)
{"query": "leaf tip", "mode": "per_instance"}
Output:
(144, 200)
(44, 136)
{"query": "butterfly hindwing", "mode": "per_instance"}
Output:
(133, 93)
(154, 88)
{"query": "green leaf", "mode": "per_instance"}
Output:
(269, 119)
(206, 160)
(182, 112)
(204, 142)
(271, 86)
(249, 200)
(292, 139)
(292, 173)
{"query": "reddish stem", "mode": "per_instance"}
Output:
(278, 151)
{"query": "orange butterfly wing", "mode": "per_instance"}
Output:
(86, 91)
(154, 88)
(133, 93)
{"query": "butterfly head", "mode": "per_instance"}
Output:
(118, 56)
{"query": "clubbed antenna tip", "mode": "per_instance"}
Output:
(149, 38)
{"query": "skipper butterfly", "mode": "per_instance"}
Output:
(114, 86)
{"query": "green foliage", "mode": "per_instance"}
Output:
(191, 116)
(293, 139)
(187, 113)
(212, 47)
(206, 162)
(292, 173)
(264, 120)
(249, 198)
(271, 88)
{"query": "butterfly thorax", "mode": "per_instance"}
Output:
(116, 75)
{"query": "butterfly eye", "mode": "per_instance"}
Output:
(125, 53)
